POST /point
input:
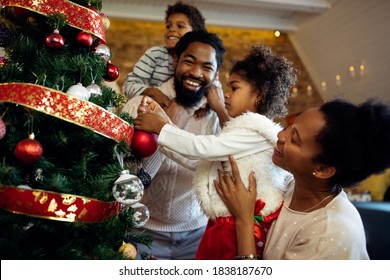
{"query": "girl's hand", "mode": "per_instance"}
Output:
(151, 117)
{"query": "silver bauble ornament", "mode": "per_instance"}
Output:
(141, 214)
(104, 52)
(95, 89)
(128, 188)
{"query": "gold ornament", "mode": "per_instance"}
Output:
(128, 251)
(106, 21)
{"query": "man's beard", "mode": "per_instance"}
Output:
(188, 98)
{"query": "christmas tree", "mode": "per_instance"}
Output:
(67, 183)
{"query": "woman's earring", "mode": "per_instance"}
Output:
(257, 102)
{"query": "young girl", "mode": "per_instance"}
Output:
(259, 87)
(155, 66)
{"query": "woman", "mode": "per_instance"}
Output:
(326, 149)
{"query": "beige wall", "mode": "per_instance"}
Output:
(129, 39)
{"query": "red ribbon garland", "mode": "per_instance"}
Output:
(77, 16)
(56, 206)
(68, 108)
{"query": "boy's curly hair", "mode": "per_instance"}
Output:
(270, 74)
(194, 15)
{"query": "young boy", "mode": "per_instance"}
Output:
(155, 66)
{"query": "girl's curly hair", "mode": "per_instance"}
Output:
(270, 74)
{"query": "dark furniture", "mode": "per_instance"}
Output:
(376, 221)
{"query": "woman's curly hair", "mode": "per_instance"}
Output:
(270, 74)
(355, 139)
(194, 15)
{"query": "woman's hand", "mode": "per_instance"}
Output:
(239, 200)
(241, 204)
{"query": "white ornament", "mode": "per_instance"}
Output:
(79, 91)
(128, 189)
(24, 187)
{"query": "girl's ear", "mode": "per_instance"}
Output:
(258, 98)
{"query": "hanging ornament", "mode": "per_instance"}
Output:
(128, 188)
(128, 251)
(24, 187)
(29, 150)
(3, 61)
(94, 89)
(105, 20)
(79, 91)
(84, 39)
(140, 214)
(89, 6)
(112, 73)
(144, 177)
(98, 42)
(3, 129)
(144, 144)
(104, 52)
(55, 40)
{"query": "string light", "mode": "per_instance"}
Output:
(362, 69)
(309, 90)
(338, 79)
(323, 85)
(294, 92)
(352, 71)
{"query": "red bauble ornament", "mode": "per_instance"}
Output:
(92, 8)
(3, 129)
(20, 12)
(85, 39)
(144, 144)
(112, 73)
(3, 61)
(55, 40)
(29, 150)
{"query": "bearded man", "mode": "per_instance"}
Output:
(177, 222)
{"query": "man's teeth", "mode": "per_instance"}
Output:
(192, 83)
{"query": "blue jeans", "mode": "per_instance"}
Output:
(171, 245)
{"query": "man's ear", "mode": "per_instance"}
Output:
(324, 171)
(175, 61)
